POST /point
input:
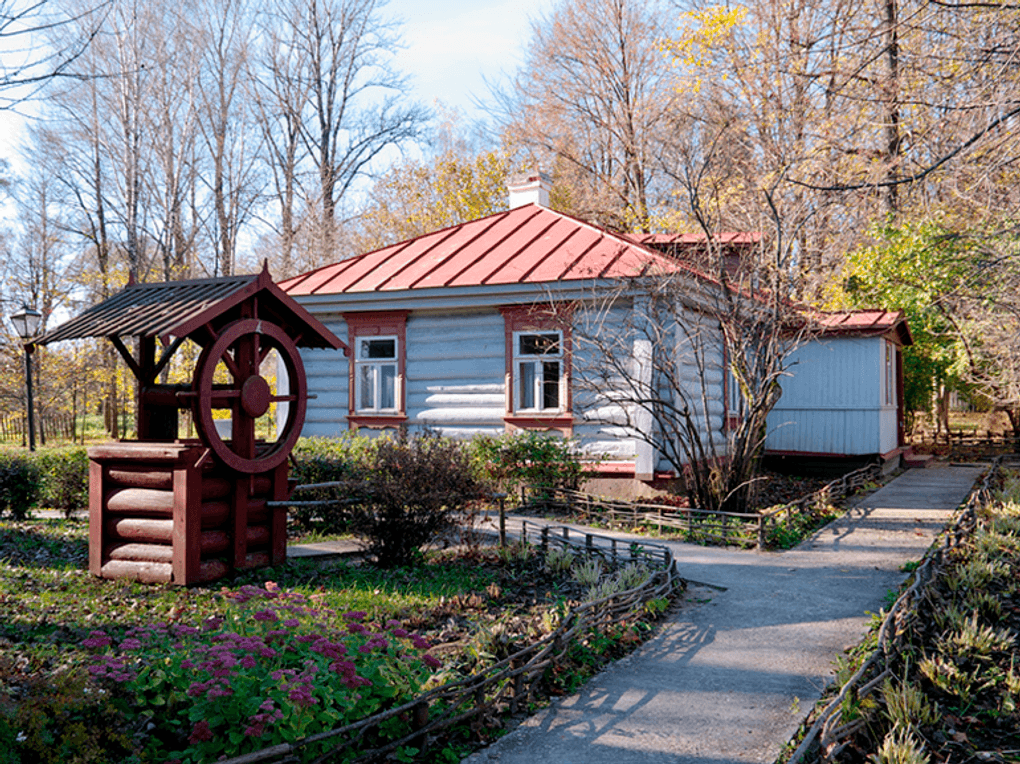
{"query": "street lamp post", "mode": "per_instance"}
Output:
(26, 324)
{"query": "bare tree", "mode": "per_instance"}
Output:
(172, 118)
(590, 105)
(281, 96)
(29, 63)
(227, 122)
(691, 369)
(357, 104)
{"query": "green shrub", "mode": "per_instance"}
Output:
(539, 461)
(327, 460)
(19, 484)
(416, 487)
(65, 478)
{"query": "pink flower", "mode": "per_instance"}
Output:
(247, 662)
(431, 661)
(200, 733)
(97, 639)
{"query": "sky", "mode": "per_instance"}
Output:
(452, 48)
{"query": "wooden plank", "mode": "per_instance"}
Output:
(141, 477)
(96, 517)
(141, 501)
(141, 552)
(140, 529)
(146, 572)
(215, 514)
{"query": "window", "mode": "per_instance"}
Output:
(376, 396)
(890, 374)
(376, 374)
(538, 393)
(538, 362)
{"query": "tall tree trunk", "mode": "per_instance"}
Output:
(892, 127)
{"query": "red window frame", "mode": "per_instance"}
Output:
(380, 323)
(538, 318)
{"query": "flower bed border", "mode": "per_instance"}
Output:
(510, 683)
(832, 736)
(711, 524)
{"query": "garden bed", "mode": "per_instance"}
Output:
(510, 624)
(938, 678)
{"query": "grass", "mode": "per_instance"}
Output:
(47, 597)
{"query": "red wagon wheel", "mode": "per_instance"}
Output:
(242, 347)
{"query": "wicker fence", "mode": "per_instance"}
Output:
(829, 731)
(510, 684)
(747, 529)
(53, 426)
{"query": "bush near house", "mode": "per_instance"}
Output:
(532, 459)
(415, 488)
(327, 460)
(64, 478)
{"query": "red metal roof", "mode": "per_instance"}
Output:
(529, 244)
(726, 237)
(865, 323)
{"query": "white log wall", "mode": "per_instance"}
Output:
(455, 384)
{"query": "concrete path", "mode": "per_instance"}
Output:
(731, 677)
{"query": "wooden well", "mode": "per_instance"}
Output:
(167, 510)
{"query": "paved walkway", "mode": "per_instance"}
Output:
(731, 677)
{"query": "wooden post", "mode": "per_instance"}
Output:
(239, 497)
(278, 516)
(187, 519)
(97, 516)
(762, 521)
(502, 519)
(545, 539)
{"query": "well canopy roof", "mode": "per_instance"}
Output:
(182, 308)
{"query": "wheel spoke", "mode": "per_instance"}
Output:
(282, 398)
(228, 361)
(264, 355)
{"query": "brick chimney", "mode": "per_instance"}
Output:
(529, 188)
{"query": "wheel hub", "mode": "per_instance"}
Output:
(255, 395)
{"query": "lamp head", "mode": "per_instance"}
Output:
(26, 322)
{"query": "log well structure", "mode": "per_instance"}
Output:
(163, 509)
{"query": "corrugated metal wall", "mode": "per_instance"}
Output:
(832, 403)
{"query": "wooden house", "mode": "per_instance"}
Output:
(444, 332)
